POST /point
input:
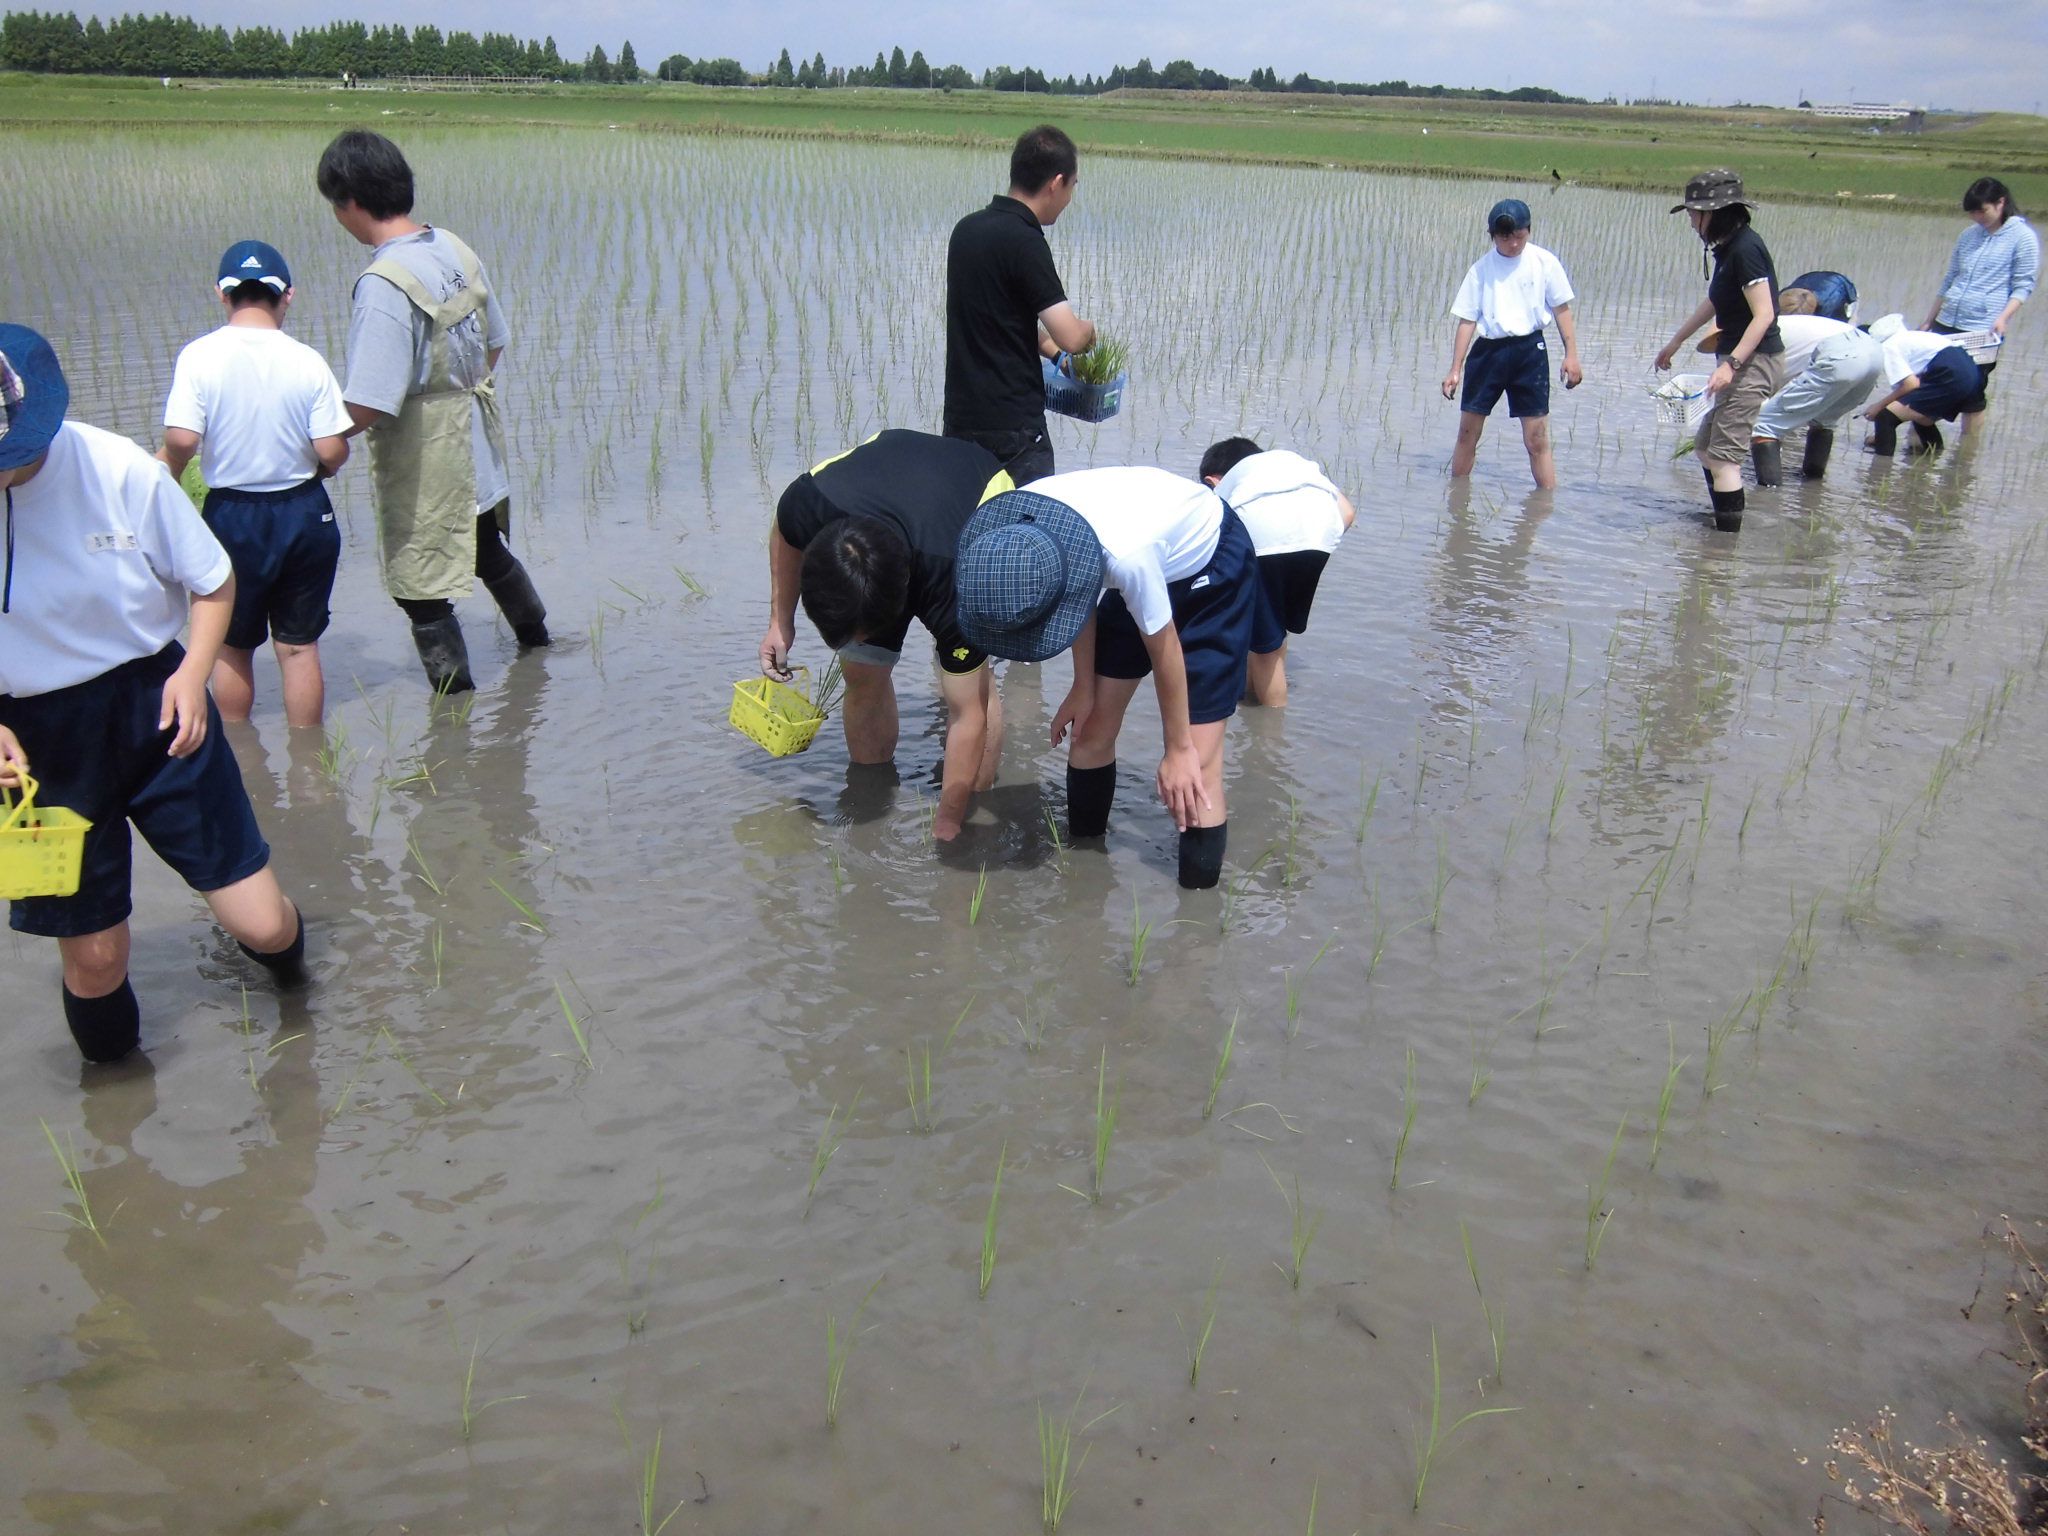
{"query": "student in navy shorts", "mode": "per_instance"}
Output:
(270, 416)
(1181, 605)
(1930, 381)
(100, 702)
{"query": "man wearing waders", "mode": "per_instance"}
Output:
(424, 335)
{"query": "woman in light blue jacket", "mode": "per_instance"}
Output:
(1991, 274)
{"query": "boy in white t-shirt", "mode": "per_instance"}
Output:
(270, 414)
(102, 704)
(1177, 583)
(1295, 515)
(1507, 298)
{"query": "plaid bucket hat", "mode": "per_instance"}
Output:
(1028, 573)
(1713, 190)
(33, 396)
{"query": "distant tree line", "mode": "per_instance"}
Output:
(178, 45)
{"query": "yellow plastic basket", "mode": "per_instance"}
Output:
(774, 715)
(41, 846)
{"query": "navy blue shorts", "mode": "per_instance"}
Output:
(1287, 588)
(95, 749)
(285, 546)
(1977, 404)
(1950, 385)
(1219, 617)
(1518, 366)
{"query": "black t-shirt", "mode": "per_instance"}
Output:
(999, 278)
(1739, 261)
(924, 487)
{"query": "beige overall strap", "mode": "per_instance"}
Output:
(444, 314)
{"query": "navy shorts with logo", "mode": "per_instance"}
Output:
(285, 546)
(1220, 618)
(95, 749)
(1950, 385)
(1287, 588)
(1518, 366)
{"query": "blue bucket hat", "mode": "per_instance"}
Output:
(1507, 216)
(1028, 573)
(251, 261)
(33, 396)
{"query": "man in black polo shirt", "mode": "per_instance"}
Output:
(868, 539)
(1005, 309)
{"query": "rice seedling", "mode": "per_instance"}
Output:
(1101, 363)
(828, 1146)
(636, 1321)
(1288, 864)
(838, 871)
(1368, 801)
(1197, 1345)
(334, 753)
(438, 948)
(1222, 1065)
(1496, 1318)
(1107, 1107)
(1295, 984)
(1031, 1029)
(1141, 935)
(1444, 876)
(1233, 893)
(527, 916)
(917, 1072)
(1409, 1107)
(1302, 1229)
(974, 901)
(1059, 845)
(472, 1410)
(1676, 1065)
(1717, 1040)
(66, 1153)
(1742, 830)
(405, 1064)
(1597, 1212)
(426, 873)
(1482, 1067)
(1058, 1471)
(348, 1089)
(690, 583)
(648, 1482)
(1428, 1447)
(577, 1031)
(988, 1222)
(1315, 1489)
(838, 1351)
(1556, 803)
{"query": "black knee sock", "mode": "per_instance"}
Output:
(1201, 856)
(1089, 793)
(287, 966)
(1728, 507)
(1930, 438)
(1884, 440)
(106, 1028)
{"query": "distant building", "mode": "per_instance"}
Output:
(1915, 118)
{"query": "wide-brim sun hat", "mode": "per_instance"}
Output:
(1711, 191)
(33, 396)
(1027, 575)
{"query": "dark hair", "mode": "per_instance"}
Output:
(242, 295)
(1041, 154)
(368, 170)
(1225, 456)
(1723, 222)
(855, 580)
(1989, 189)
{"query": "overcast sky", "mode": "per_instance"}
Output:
(1969, 54)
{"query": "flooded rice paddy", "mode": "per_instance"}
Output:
(1656, 913)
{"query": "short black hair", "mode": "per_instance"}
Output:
(1723, 222)
(242, 295)
(1225, 456)
(855, 580)
(1041, 154)
(1989, 189)
(368, 170)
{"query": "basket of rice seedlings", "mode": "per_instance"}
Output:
(42, 847)
(1682, 399)
(1095, 390)
(784, 717)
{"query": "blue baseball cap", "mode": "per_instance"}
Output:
(1027, 575)
(251, 261)
(1508, 215)
(33, 396)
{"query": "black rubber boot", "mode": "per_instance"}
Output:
(524, 611)
(1884, 437)
(1927, 439)
(1820, 442)
(1201, 856)
(444, 655)
(1728, 510)
(1089, 794)
(287, 966)
(1769, 460)
(106, 1028)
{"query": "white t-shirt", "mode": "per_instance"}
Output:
(1516, 297)
(1288, 504)
(259, 398)
(1802, 335)
(1154, 527)
(106, 547)
(1911, 351)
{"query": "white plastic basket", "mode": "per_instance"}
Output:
(1981, 345)
(1682, 399)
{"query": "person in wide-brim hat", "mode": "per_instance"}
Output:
(1711, 191)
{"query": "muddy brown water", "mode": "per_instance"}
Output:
(1635, 757)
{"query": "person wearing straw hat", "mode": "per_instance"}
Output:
(1742, 306)
(106, 559)
(867, 539)
(271, 418)
(1136, 571)
(1508, 297)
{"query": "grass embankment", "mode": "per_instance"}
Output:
(1784, 156)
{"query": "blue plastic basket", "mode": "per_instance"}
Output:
(1083, 402)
